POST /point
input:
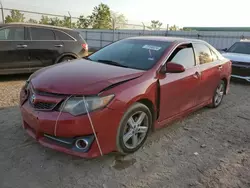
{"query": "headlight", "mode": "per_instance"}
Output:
(76, 106)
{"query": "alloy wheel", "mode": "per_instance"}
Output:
(219, 94)
(136, 129)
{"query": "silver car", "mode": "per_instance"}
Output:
(239, 54)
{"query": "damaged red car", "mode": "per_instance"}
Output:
(112, 99)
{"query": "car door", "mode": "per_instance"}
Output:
(178, 91)
(13, 50)
(44, 47)
(210, 71)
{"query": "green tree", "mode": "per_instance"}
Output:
(74, 25)
(83, 22)
(101, 17)
(66, 22)
(32, 21)
(55, 21)
(155, 25)
(45, 20)
(185, 29)
(118, 20)
(15, 16)
(174, 28)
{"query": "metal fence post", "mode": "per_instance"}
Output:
(113, 21)
(101, 40)
(166, 34)
(86, 35)
(143, 28)
(119, 35)
(70, 19)
(2, 12)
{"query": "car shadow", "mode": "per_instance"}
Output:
(239, 81)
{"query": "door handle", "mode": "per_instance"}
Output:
(22, 46)
(59, 45)
(197, 75)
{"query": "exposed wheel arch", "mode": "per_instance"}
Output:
(152, 109)
(226, 83)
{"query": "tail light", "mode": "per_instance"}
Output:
(85, 46)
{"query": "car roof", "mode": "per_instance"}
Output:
(166, 39)
(33, 24)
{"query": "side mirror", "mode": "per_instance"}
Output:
(174, 68)
(225, 49)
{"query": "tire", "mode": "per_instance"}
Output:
(126, 131)
(218, 95)
(66, 58)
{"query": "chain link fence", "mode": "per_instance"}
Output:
(98, 38)
(219, 39)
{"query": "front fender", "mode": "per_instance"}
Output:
(133, 91)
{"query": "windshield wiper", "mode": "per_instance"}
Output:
(109, 62)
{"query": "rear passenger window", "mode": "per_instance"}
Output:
(183, 56)
(62, 36)
(42, 34)
(12, 33)
(203, 53)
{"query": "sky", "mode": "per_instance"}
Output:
(202, 13)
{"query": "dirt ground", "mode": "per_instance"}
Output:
(210, 148)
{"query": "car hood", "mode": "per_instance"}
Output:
(80, 77)
(237, 57)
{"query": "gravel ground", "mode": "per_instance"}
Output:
(210, 148)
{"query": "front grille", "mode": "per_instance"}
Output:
(43, 93)
(241, 71)
(44, 106)
(38, 105)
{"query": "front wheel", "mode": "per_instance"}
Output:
(218, 95)
(133, 129)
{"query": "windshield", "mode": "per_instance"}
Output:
(131, 53)
(240, 47)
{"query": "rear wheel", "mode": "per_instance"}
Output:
(218, 95)
(133, 129)
(66, 58)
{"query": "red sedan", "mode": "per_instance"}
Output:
(112, 99)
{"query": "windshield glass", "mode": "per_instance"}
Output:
(132, 53)
(240, 47)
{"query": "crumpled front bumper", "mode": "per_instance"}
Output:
(40, 124)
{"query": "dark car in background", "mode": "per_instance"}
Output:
(25, 48)
(239, 54)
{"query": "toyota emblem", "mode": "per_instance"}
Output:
(33, 98)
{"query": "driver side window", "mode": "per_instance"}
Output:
(183, 55)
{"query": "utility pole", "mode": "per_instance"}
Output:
(2, 11)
